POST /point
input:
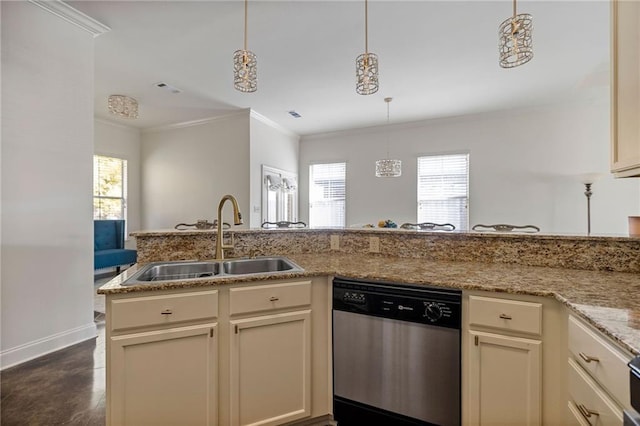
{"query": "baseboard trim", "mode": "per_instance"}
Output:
(37, 348)
(326, 420)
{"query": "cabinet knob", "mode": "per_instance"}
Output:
(166, 312)
(588, 358)
(587, 413)
(274, 299)
(505, 316)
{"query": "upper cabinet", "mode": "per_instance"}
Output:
(625, 89)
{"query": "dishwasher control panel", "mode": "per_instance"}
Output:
(421, 304)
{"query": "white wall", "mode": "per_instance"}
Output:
(524, 168)
(273, 146)
(187, 169)
(47, 148)
(121, 141)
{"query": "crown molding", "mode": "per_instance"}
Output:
(196, 122)
(72, 15)
(111, 123)
(264, 120)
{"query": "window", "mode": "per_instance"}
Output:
(279, 195)
(327, 184)
(443, 189)
(109, 187)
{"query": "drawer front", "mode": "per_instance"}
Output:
(512, 315)
(163, 310)
(269, 296)
(590, 400)
(574, 417)
(605, 363)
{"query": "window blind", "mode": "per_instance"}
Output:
(327, 194)
(443, 189)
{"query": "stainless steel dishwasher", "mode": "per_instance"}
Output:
(396, 354)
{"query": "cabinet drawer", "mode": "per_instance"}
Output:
(163, 310)
(574, 417)
(590, 400)
(512, 315)
(606, 364)
(269, 296)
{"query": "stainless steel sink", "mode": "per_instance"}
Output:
(258, 265)
(167, 271)
(192, 270)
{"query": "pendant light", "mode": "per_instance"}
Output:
(245, 65)
(123, 106)
(366, 63)
(388, 167)
(515, 45)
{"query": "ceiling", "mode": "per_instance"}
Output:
(437, 59)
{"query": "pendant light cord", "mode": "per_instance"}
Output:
(245, 24)
(366, 26)
(388, 101)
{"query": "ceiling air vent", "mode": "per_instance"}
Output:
(294, 114)
(165, 86)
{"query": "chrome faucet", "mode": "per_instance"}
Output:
(237, 219)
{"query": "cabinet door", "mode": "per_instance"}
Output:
(625, 105)
(270, 369)
(504, 380)
(165, 377)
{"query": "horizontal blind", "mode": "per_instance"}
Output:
(327, 194)
(443, 189)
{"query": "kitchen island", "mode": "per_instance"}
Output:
(606, 298)
(578, 282)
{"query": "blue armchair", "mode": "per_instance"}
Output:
(108, 245)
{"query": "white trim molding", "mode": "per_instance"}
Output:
(73, 15)
(200, 122)
(273, 124)
(37, 348)
(119, 125)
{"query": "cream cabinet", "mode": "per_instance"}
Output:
(253, 353)
(162, 359)
(504, 371)
(507, 342)
(270, 354)
(165, 377)
(504, 380)
(625, 88)
(598, 376)
(271, 369)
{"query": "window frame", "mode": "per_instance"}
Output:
(343, 199)
(124, 189)
(465, 225)
(286, 195)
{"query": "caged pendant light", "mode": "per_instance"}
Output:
(366, 63)
(515, 43)
(123, 106)
(245, 65)
(388, 167)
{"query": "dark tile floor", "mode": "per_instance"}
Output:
(66, 387)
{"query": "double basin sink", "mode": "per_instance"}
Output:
(188, 270)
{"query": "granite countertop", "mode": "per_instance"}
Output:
(608, 300)
(366, 230)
